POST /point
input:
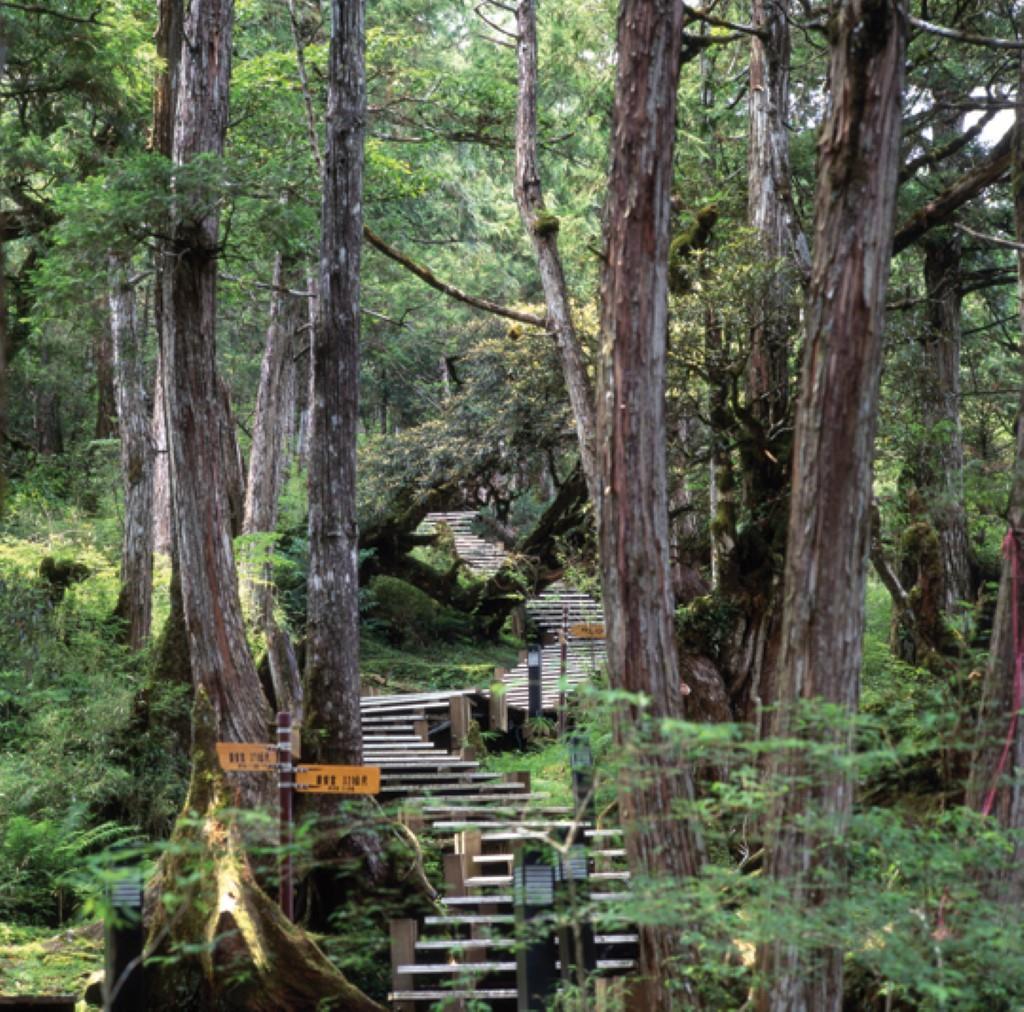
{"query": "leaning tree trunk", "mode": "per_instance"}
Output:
(995, 786)
(332, 642)
(542, 227)
(829, 527)
(196, 420)
(633, 514)
(134, 606)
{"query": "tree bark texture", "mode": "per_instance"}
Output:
(106, 396)
(134, 605)
(995, 785)
(4, 341)
(332, 643)
(168, 50)
(542, 228)
(196, 420)
(770, 214)
(829, 527)
(942, 477)
(161, 519)
(269, 455)
(633, 514)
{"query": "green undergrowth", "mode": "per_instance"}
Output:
(547, 764)
(434, 666)
(36, 961)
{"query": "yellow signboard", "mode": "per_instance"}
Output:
(337, 779)
(587, 631)
(239, 758)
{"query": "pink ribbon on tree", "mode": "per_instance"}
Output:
(1011, 551)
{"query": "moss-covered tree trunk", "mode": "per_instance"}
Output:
(542, 228)
(224, 944)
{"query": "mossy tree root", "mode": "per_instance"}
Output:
(229, 945)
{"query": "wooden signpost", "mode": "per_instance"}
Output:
(337, 779)
(587, 630)
(239, 757)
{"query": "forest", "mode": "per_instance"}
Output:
(592, 429)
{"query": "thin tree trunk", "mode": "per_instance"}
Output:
(195, 398)
(940, 403)
(770, 214)
(161, 520)
(633, 514)
(234, 465)
(4, 344)
(106, 397)
(332, 644)
(542, 228)
(829, 528)
(268, 464)
(304, 377)
(134, 605)
(995, 785)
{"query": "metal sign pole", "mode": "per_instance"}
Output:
(286, 794)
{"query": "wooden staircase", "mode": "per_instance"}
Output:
(465, 951)
(479, 554)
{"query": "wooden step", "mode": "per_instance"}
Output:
(455, 919)
(486, 994)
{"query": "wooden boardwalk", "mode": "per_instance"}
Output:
(465, 951)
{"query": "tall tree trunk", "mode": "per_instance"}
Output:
(633, 514)
(995, 786)
(134, 606)
(269, 454)
(940, 403)
(168, 51)
(771, 215)
(106, 396)
(161, 519)
(4, 344)
(46, 421)
(829, 526)
(542, 228)
(273, 427)
(332, 644)
(752, 575)
(234, 465)
(195, 399)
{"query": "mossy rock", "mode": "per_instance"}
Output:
(405, 613)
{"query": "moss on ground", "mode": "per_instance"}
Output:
(36, 961)
(437, 666)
